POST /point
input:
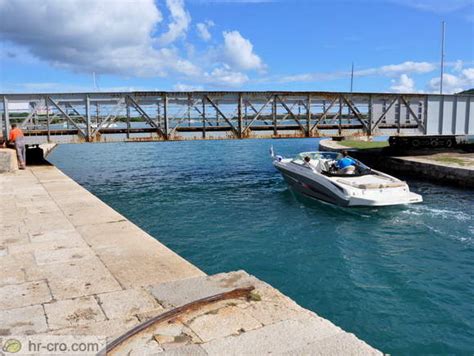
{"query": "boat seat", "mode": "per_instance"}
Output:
(319, 167)
(372, 185)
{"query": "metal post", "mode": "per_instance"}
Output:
(340, 116)
(349, 116)
(47, 119)
(425, 115)
(468, 115)
(274, 116)
(441, 115)
(371, 103)
(189, 109)
(442, 58)
(6, 118)
(217, 114)
(246, 115)
(128, 119)
(165, 114)
(240, 114)
(308, 117)
(407, 114)
(384, 108)
(352, 77)
(88, 119)
(35, 115)
(455, 112)
(158, 113)
(398, 113)
(204, 117)
(420, 111)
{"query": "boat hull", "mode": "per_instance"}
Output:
(321, 188)
(311, 188)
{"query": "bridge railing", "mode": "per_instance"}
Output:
(103, 116)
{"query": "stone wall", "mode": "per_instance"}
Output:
(413, 166)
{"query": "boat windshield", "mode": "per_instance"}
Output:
(328, 164)
(317, 156)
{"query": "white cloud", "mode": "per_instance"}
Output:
(397, 69)
(458, 65)
(468, 75)
(412, 67)
(225, 77)
(310, 77)
(305, 77)
(203, 29)
(453, 83)
(180, 22)
(238, 52)
(88, 35)
(405, 84)
(390, 70)
(91, 36)
(219, 77)
(187, 87)
(57, 87)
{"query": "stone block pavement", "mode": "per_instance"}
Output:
(71, 265)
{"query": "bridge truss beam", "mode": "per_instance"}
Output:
(183, 115)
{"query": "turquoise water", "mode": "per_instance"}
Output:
(401, 278)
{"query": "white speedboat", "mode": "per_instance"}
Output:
(320, 179)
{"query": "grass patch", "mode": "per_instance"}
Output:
(254, 297)
(364, 144)
(454, 160)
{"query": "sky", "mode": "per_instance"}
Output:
(186, 45)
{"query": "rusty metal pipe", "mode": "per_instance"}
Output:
(171, 314)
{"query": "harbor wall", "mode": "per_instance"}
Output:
(424, 169)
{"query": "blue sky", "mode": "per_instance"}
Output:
(57, 45)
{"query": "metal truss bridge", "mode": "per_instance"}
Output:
(143, 116)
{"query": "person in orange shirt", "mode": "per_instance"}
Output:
(17, 138)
